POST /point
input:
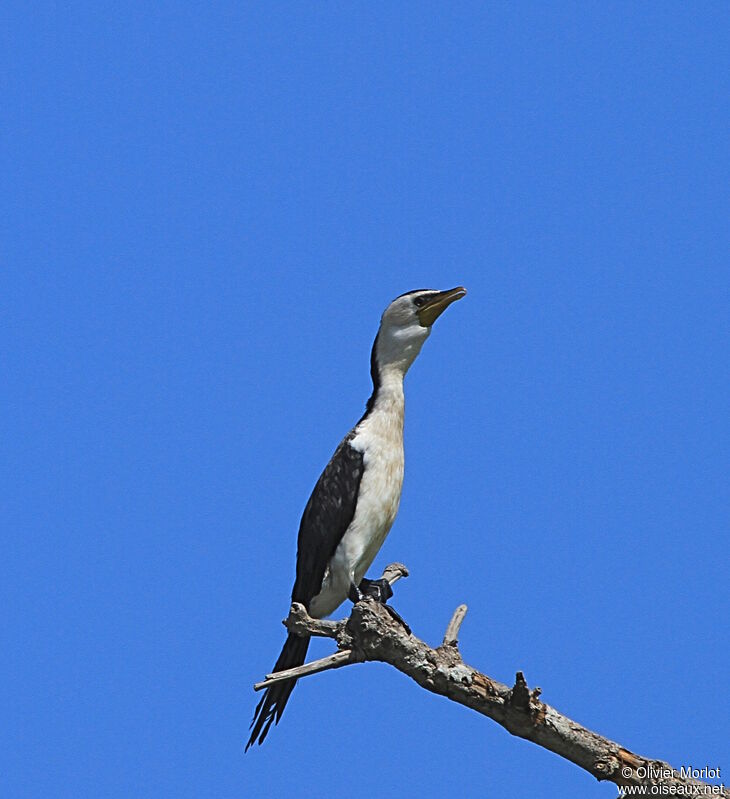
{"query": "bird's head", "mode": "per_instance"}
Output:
(406, 324)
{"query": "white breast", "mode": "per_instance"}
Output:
(379, 495)
(380, 438)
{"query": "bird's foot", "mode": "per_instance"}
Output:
(379, 590)
(355, 594)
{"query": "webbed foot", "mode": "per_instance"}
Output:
(381, 591)
(355, 594)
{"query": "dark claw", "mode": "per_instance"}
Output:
(380, 590)
(397, 617)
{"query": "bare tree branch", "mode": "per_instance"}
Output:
(451, 636)
(299, 622)
(371, 633)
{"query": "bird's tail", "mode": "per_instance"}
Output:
(274, 700)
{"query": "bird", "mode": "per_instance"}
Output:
(355, 501)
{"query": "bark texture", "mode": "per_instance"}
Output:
(371, 633)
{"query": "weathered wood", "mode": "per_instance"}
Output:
(313, 667)
(371, 633)
(451, 637)
(301, 623)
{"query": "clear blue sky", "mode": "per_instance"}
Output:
(206, 208)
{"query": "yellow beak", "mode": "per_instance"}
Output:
(437, 304)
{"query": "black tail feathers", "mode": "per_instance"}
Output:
(274, 700)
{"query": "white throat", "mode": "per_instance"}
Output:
(395, 350)
(398, 347)
(389, 397)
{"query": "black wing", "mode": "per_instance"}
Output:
(328, 514)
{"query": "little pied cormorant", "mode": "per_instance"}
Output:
(356, 498)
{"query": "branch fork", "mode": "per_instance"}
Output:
(371, 633)
(301, 623)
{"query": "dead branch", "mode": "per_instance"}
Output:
(371, 633)
(301, 623)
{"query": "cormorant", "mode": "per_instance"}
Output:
(355, 500)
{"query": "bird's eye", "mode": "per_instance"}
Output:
(419, 301)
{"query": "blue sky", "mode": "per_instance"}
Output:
(206, 209)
